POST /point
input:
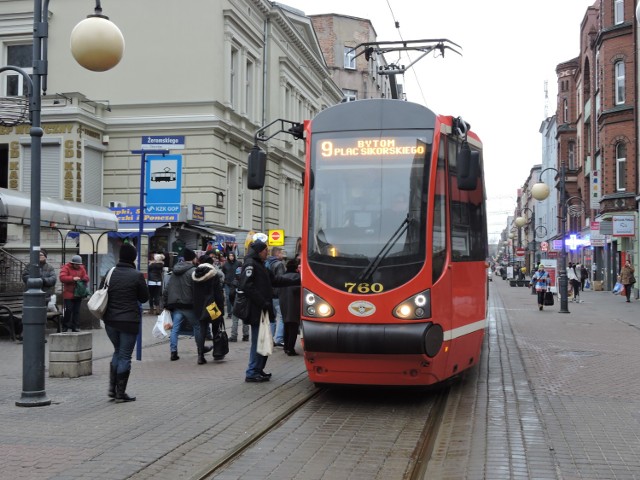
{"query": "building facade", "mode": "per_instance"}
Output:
(209, 74)
(356, 73)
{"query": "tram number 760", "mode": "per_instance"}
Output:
(363, 287)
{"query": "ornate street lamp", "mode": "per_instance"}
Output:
(540, 191)
(98, 45)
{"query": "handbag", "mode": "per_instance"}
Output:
(548, 298)
(220, 342)
(97, 304)
(242, 306)
(81, 289)
(265, 339)
(632, 279)
(213, 311)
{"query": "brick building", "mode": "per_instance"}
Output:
(596, 138)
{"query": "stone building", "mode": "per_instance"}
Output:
(204, 75)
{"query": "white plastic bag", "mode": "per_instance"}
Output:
(163, 323)
(265, 340)
(51, 306)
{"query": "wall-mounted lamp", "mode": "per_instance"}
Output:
(220, 200)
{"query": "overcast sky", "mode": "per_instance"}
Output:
(509, 49)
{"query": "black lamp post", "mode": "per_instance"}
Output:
(520, 222)
(97, 45)
(540, 191)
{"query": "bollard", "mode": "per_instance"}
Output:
(70, 354)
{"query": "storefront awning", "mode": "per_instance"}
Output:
(209, 232)
(15, 207)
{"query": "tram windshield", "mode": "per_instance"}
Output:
(367, 207)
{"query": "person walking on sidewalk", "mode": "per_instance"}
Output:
(70, 274)
(154, 279)
(275, 263)
(627, 278)
(178, 299)
(229, 269)
(127, 292)
(207, 289)
(541, 281)
(575, 281)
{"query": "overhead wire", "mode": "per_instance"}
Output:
(397, 25)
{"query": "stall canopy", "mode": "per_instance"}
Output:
(15, 207)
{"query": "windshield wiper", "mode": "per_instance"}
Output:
(368, 272)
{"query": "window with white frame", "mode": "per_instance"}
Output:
(350, 95)
(349, 58)
(18, 56)
(619, 74)
(249, 86)
(618, 12)
(233, 74)
(621, 166)
(565, 111)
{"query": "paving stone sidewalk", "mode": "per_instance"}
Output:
(556, 395)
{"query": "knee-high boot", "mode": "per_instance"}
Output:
(121, 386)
(112, 380)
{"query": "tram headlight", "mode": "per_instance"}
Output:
(417, 307)
(315, 306)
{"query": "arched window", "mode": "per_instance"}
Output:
(619, 74)
(621, 166)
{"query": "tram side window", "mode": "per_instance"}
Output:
(439, 241)
(468, 215)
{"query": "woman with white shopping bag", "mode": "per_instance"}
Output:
(127, 291)
(257, 283)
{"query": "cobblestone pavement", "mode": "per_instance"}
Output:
(555, 396)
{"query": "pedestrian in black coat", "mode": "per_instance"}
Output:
(127, 291)
(290, 307)
(257, 283)
(207, 289)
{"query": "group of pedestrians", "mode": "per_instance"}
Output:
(193, 287)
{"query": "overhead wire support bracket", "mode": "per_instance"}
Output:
(296, 129)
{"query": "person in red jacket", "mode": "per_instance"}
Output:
(70, 274)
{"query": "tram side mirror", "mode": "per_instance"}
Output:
(257, 167)
(468, 168)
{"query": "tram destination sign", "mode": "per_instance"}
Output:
(366, 147)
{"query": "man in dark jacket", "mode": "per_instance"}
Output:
(257, 284)
(178, 298)
(230, 282)
(49, 278)
(127, 291)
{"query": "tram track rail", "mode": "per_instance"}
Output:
(253, 438)
(417, 462)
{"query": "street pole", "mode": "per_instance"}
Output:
(562, 277)
(533, 229)
(34, 316)
(143, 164)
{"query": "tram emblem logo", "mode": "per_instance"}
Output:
(362, 308)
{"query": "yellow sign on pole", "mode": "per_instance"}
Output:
(276, 238)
